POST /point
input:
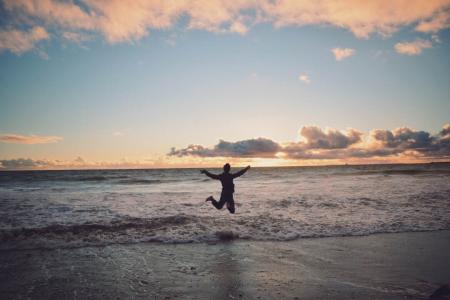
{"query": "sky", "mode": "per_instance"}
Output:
(150, 84)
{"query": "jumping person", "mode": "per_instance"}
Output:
(226, 178)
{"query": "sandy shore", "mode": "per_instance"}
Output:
(383, 266)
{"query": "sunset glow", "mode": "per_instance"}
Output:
(162, 84)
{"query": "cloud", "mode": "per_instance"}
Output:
(406, 139)
(403, 138)
(304, 78)
(77, 163)
(118, 133)
(330, 139)
(321, 144)
(260, 147)
(19, 41)
(254, 76)
(219, 15)
(412, 48)
(316, 146)
(79, 160)
(438, 22)
(171, 39)
(362, 18)
(332, 144)
(28, 139)
(435, 38)
(75, 37)
(126, 21)
(337, 154)
(445, 130)
(64, 14)
(238, 27)
(131, 20)
(341, 53)
(22, 163)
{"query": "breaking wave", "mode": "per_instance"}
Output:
(191, 229)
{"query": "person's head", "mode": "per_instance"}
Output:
(226, 168)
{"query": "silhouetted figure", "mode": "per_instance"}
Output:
(226, 178)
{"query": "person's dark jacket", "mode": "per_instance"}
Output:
(226, 179)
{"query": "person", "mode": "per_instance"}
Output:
(226, 178)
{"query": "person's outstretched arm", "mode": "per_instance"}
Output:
(241, 172)
(210, 175)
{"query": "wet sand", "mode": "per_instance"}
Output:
(382, 266)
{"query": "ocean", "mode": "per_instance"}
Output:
(65, 209)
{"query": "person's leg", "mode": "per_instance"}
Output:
(230, 205)
(217, 204)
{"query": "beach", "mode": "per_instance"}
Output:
(380, 266)
(333, 232)
(195, 149)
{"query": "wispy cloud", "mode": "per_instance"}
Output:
(341, 53)
(118, 133)
(412, 48)
(28, 139)
(77, 163)
(172, 39)
(239, 27)
(76, 37)
(130, 20)
(435, 38)
(304, 78)
(19, 41)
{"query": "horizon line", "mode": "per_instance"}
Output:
(238, 166)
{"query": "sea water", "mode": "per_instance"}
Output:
(54, 209)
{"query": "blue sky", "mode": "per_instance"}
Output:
(136, 99)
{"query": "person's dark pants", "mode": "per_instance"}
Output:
(225, 197)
